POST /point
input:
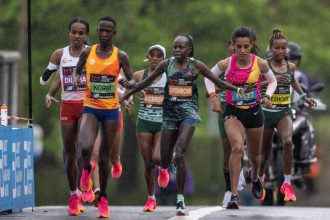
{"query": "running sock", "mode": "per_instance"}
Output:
(226, 174)
(153, 197)
(287, 179)
(75, 192)
(261, 178)
(96, 189)
(180, 197)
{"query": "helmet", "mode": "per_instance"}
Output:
(294, 50)
(268, 53)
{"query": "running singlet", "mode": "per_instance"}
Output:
(242, 77)
(281, 99)
(151, 105)
(181, 94)
(102, 80)
(67, 67)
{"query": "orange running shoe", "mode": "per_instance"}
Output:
(103, 208)
(74, 205)
(88, 196)
(287, 191)
(86, 182)
(150, 205)
(163, 178)
(116, 170)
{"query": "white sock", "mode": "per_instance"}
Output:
(261, 178)
(75, 192)
(180, 197)
(153, 197)
(96, 189)
(287, 179)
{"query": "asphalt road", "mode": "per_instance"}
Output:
(168, 213)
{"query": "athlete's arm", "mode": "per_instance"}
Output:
(206, 72)
(53, 90)
(53, 64)
(161, 67)
(296, 86)
(272, 82)
(80, 65)
(212, 91)
(82, 60)
(124, 64)
(210, 87)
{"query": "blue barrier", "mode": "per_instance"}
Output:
(16, 169)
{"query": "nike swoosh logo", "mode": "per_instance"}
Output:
(255, 113)
(108, 63)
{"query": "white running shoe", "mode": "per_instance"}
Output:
(241, 181)
(226, 199)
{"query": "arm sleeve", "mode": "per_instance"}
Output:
(272, 83)
(210, 87)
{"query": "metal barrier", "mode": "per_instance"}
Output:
(16, 169)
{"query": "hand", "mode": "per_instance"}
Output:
(265, 101)
(216, 107)
(250, 87)
(49, 99)
(242, 91)
(311, 102)
(123, 82)
(128, 104)
(127, 84)
(141, 93)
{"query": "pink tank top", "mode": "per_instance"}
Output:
(243, 77)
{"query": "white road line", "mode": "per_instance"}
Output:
(198, 213)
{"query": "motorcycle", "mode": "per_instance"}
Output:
(304, 142)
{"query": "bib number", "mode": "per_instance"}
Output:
(102, 86)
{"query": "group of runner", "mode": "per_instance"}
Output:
(168, 110)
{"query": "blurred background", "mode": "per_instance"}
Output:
(140, 24)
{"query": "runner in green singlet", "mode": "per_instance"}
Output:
(280, 116)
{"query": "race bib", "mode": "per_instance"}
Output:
(283, 99)
(180, 91)
(246, 100)
(102, 86)
(68, 81)
(153, 100)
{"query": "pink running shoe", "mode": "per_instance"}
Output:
(150, 205)
(163, 178)
(103, 211)
(74, 205)
(86, 182)
(88, 196)
(116, 170)
(80, 205)
(287, 191)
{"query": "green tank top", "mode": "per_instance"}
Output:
(281, 99)
(151, 105)
(181, 93)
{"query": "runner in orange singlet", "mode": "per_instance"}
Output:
(101, 105)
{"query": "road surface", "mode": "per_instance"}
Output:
(168, 213)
